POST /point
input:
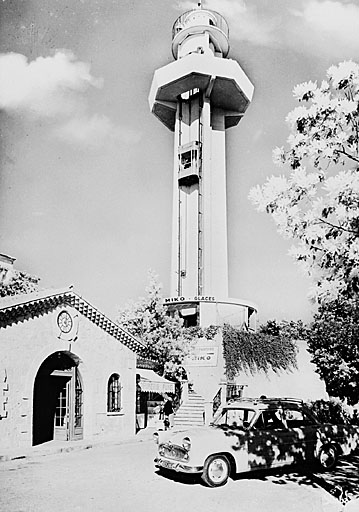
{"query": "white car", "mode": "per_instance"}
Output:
(251, 434)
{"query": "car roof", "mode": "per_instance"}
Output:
(263, 403)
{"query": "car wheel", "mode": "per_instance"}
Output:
(216, 471)
(327, 458)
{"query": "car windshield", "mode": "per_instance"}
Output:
(235, 418)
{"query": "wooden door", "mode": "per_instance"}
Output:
(68, 421)
(76, 407)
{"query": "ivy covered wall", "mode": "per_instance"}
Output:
(256, 351)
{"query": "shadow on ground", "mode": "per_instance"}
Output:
(182, 478)
(342, 482)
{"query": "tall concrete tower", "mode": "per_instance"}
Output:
(198, 97)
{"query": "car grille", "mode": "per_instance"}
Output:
(172, 452)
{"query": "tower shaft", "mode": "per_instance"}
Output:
(199, 245)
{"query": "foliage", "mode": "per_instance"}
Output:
(291, 330)
(201, 332)
(164, 335)
(13, 282)
(316, 204)
(333, 341)
(261, 351)
(332, 411)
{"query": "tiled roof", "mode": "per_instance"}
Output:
(15, 308)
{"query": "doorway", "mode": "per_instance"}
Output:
(58, 400)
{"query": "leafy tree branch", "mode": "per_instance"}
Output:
(316, 202)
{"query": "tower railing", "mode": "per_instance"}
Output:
(218, 21)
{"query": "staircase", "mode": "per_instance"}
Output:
(191, 411)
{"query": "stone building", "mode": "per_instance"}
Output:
(67, 372)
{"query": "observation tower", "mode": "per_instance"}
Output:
(199, 96)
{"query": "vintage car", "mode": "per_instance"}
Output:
(251, 434)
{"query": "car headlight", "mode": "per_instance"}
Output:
(186, 443)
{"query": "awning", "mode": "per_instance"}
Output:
(150, 381)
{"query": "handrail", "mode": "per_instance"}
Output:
(217, 400)
(217, 20)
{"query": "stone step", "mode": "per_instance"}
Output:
(190, 410)
(188, 424)
(194, 402)
(191, 406)
(190, 414)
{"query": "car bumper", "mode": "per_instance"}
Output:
(174, 465)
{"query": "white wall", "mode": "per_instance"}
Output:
(23, 348)
(303, 383)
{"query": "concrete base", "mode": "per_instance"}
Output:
(236, 312)
(209, 310)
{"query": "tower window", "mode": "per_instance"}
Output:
(114, 393)
(188, 164)
(186, 160)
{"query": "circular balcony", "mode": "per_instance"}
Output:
(197, 21)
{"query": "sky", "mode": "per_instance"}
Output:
(86, 169)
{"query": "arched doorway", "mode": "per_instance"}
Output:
(58, 400)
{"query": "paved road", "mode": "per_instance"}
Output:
(122, 479)
(343, 481)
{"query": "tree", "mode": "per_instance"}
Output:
(164, 335)
(292, 330)
(333, 341)
(13, 282)
(317, 203)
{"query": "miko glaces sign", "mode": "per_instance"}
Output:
(202, 356)
(197, 298)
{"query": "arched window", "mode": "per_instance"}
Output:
(114, 393)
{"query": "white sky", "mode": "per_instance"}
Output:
(86, 169)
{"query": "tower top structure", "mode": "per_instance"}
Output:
(194, 23)
(200, 45)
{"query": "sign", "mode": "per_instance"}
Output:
(197, 298)
(202, 356)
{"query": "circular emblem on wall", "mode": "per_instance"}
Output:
(65, 322)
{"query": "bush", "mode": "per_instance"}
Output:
(333, 411)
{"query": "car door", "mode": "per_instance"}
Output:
(304, 429)
(270, 442)
(234, 424)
